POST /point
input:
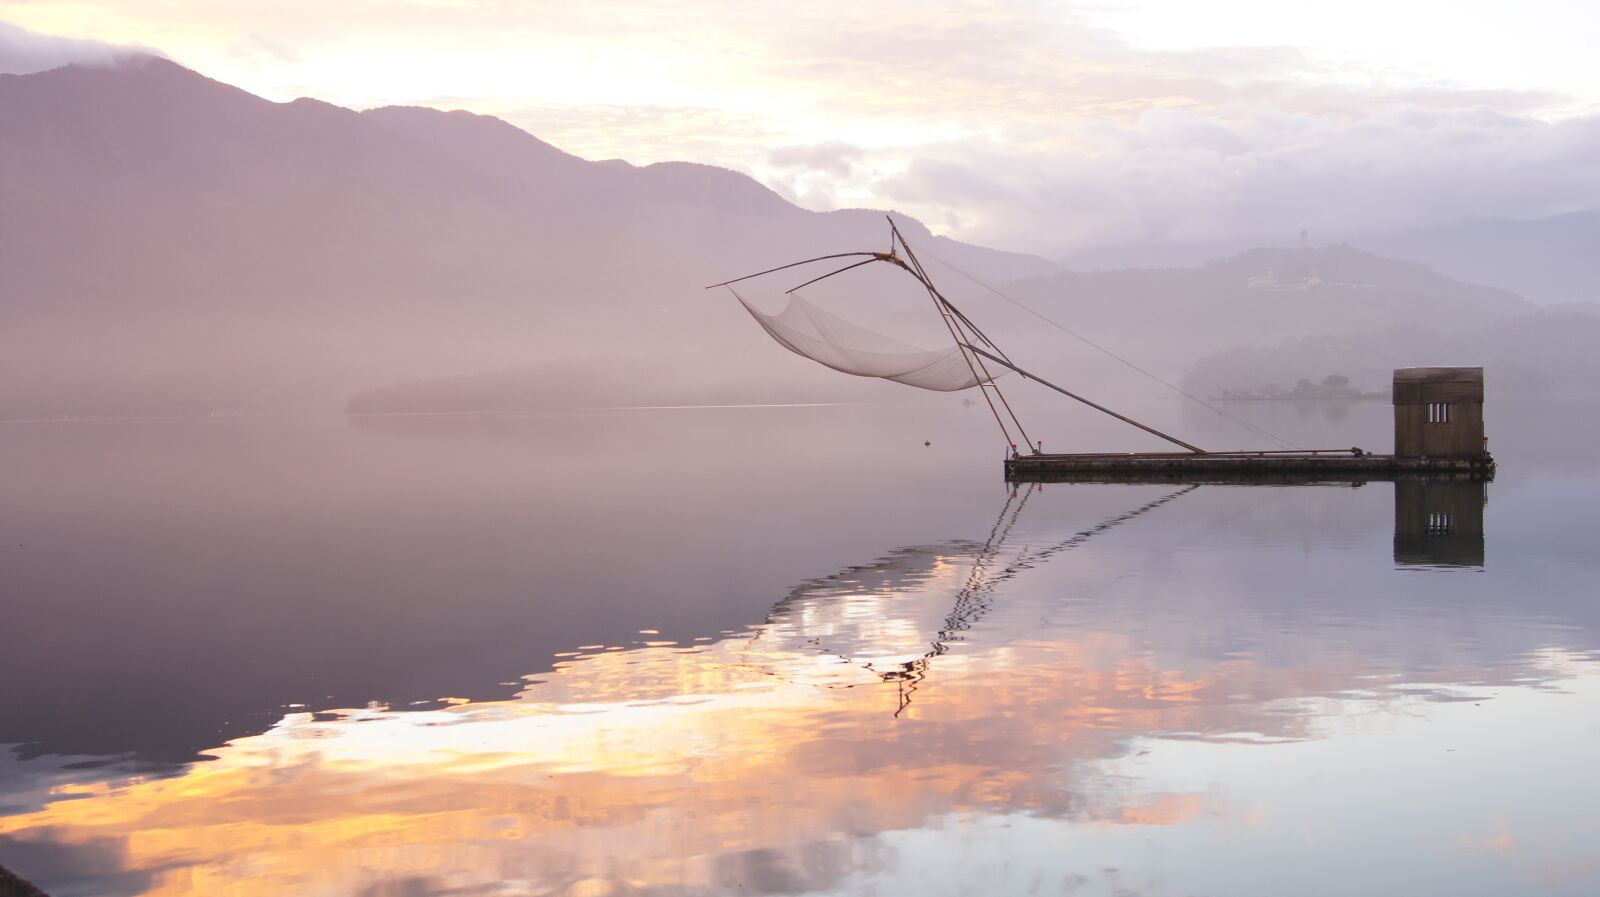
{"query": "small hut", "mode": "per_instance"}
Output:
(1438, 413)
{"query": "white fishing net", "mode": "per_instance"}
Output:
(830, 340)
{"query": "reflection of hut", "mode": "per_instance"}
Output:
(1439, 522)
(1438, 413)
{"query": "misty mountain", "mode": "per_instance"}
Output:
(1545, 351)
(1163, 320)
(1273, 317)
(173, 244)
(1173, 316)
(1547, 260)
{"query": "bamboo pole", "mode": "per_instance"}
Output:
(1095, 405)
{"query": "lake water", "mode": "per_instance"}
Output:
(787, 651)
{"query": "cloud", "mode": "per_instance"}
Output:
(1181, 176)
(833, 157)
(663, 133)
(258, 49)
(812, 176)
(24, 52)
(1026, 124)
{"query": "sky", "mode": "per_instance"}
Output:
(1046, 127)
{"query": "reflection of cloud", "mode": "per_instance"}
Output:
(410, 886)
(675, 753)
(1559, 873)
(725, 754)
(811, 867)
(100, 865)
(1543, 869)
(1500, 842)
(721, 767)
(1164, 809)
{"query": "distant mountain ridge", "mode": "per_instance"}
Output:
(1165, 320)
(1549, 351)
(1267, 318)
(1549, 260)
(1263, 295)
(174, 244)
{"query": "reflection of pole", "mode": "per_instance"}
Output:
(967, 611)
(910, 675)
(970, 602)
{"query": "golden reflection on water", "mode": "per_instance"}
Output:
(693, 767)
(651, 766)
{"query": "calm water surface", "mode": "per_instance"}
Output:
(786, 651)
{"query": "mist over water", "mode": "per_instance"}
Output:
(388, 509)
(780, 650)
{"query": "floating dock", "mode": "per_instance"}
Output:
(1240, 467)
(1438, 432)
(1438, 411)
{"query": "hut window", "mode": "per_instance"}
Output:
(1438, 523)
(1441, 412)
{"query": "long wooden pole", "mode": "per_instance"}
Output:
(877, 256)
(1095, 405)
(953, 319)
(957, 323)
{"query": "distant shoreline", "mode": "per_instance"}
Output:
(1360, 397)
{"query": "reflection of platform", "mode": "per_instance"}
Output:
(1438, 517)
(1439, 522)
(1240, 468)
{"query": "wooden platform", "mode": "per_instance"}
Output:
(1240, 467)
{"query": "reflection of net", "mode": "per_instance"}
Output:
(830, 340)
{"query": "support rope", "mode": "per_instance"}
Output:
(1102, 349)
(948, 312)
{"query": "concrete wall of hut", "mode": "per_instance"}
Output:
(1417, 434)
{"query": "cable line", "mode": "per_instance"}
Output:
(1102, 349)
